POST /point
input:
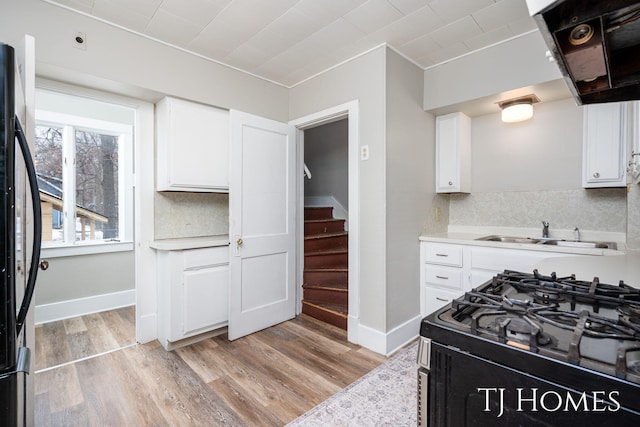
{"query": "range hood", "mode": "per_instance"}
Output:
(596, 44)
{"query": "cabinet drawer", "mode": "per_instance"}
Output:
(443, 254)
(198, 258)
(445, 277)
(434, 299)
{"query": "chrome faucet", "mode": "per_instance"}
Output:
(545, 228)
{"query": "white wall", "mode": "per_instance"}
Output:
(410, 184)
(544, 153)
(326, 154)
(515, 64)
(360, 79)
(69, 278)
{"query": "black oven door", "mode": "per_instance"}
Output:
(461, 389)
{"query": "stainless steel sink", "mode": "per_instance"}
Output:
(508, 239)
(549, 241)
(582, 244)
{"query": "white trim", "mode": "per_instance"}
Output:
(340, 64)
(390, 342)
(481, 49)
(372, 339)
(85, 249)
(79, 307)
(403, 334)
(146, 36)
(350, 110)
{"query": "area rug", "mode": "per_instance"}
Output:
(386, 396)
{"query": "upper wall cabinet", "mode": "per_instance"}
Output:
(192, 147)
(605, 142)
(453, 153)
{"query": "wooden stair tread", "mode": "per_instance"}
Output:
(331, 287)
(328, 252)
(310, 221)
(330, 269)
(325, 235)
(329, 308)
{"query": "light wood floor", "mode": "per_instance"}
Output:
(266, 379)
(67, 340)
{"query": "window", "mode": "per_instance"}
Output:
(83, 155)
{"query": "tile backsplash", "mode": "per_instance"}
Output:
(180, 215)
(594, 209)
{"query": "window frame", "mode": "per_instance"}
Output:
(126, 179)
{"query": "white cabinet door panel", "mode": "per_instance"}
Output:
(206, 299)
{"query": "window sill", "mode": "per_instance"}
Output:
(85, 249)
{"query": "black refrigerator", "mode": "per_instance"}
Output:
(15, 295)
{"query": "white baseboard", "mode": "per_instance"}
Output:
(79, 307)
(388, 343)
(403, 334)
(338, 210)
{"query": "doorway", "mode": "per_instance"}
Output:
(326, 211)
(85, 306)
(348, 112)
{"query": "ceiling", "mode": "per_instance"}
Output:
(289, 41)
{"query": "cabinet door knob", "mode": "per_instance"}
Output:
(44, 264)
(596, 175)
(239, 242)
(450, 182)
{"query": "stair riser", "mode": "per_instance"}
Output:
(340, 260)
(329, 226)
(326, 278)
(326, 243)
(326, 296)
(330, 318)
(318, 213)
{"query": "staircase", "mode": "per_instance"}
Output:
(326, 254)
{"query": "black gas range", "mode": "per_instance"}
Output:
(532, 350)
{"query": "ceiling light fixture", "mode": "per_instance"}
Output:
(518, 109)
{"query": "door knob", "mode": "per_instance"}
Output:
(239, 242)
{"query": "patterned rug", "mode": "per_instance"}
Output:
(386, 396)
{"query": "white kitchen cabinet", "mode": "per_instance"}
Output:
(441, 275)
(192, 151)
(448, 270)
(453, 153)
(604, 145)
(193, 293)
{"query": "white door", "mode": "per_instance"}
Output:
(262, 207)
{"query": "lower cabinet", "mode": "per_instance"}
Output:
(449, 270)
(193, 293)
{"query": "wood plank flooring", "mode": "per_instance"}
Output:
(268, 379)
(67, 340)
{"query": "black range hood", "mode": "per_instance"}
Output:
(596, 44)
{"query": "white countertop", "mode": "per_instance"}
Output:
(608, 269)
(469, 238)
(190, 243)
